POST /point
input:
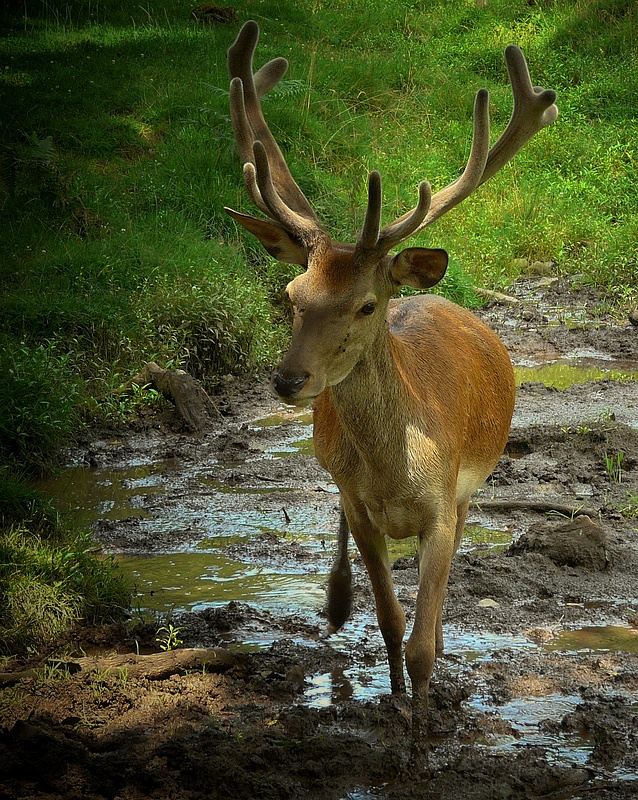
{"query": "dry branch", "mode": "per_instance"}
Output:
(542, 506)
(497, 297)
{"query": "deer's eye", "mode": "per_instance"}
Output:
(368, 308)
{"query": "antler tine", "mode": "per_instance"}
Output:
(268, 76)
(464, 185)
(534, 108)
(384, 240)
(370, 232)
(274, 205)
(406, 225)
(244, 140)
(250, 127)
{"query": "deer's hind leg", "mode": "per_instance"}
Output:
(461, 514)
(339, 605)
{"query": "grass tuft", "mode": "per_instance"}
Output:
(49, 584)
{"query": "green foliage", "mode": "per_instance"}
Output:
(20, 503)
(630, 508)
(46, 585)
(37, 403)
(168, 637)
(613, 465)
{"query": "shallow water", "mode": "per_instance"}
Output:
(596, 639)
(563, 374)
(208, 568)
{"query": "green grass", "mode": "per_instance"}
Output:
(49, 583)
(50, 576)
(116, 160)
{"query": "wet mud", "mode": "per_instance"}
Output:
(228, 538)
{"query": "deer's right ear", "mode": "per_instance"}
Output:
(278, 242)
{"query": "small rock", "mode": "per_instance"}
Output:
(487, 602)
(541, 268)
(540, 635)
(582, 489)
(633, 317)
(544, 283)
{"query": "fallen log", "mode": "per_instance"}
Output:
(542, 506)
(193, 405)
(497, 297)
(155, 667)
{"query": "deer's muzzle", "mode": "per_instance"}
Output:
(287, 385)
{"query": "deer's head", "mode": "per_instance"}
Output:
(340, 300)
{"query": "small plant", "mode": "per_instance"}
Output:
(125, 406)
(606, 417)
(583, 430)
(168, 637)
(99, 686)
(613, 464)
(122, 676)
(630, 508)
(51, 671)
(10, 698)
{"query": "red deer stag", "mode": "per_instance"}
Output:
(412, 398)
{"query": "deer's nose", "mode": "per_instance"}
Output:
(288, 385)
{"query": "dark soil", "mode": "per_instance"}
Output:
(247, 731)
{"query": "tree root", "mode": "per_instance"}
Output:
(156, 666)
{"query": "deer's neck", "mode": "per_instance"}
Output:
(370, 401)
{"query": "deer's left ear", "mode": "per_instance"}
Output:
(419, 267)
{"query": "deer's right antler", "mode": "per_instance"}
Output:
(268, 180)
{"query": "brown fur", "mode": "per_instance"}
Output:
(412, 399)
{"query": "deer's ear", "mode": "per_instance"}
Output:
(419, 267)
(274, 238)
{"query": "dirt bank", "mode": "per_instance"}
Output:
(536, 696)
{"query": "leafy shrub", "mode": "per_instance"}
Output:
(37, 403)
(18, 501)
(206, 328)
(45, 587)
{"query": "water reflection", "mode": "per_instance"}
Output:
(597, 639)
(197, 580)
(89, 494)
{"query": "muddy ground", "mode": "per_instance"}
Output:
(518, 708)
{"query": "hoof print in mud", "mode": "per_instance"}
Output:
(577, 543)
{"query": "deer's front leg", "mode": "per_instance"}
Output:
(436, 550)
(390, 615)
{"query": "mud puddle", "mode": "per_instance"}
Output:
(229, 538)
